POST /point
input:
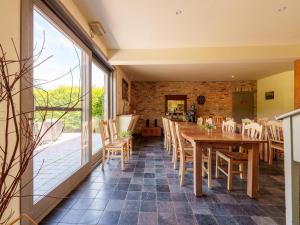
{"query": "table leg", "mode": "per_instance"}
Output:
(253, 171)
(197, 169)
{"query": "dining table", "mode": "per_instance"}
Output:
(201, 138)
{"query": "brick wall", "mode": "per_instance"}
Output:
(148, 98)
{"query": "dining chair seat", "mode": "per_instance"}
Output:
(116, 144)
(236, 156)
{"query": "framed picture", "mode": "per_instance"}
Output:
(125, 90)
(269, 95)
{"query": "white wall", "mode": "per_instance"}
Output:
(10, 28)
(283, 86)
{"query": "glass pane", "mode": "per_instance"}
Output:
(98, 105)
(58, 89)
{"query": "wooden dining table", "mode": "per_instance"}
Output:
(200, 138)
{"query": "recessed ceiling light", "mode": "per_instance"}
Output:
(232, 76)
(178, 12)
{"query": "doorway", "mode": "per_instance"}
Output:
(242, 105)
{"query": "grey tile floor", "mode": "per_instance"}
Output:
(148, 193)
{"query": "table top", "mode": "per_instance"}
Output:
(195, 133)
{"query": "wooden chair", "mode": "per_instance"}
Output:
(245, 122)
(252, 130)
(275, 139)
(200, 121)
(217, 120)
(110, 149)
(229, 126)
(186, 156)
(264, 150)
(164, 128)
(175, 144)
(168, 136)
(116, 137)
(205, 118)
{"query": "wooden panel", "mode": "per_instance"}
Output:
(242, 105)
(297, 84)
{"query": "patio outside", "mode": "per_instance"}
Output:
(55, 161)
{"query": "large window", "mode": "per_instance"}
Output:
(58, 95)
(99, 78)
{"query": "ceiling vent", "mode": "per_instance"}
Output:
(96, 29)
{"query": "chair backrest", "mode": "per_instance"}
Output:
(205, 118)
(209, 120)
(253, 130)
(133, 123)
(229, 118)
(229, 126)
(168, 132)
(113, 128)
(200, 121)
(245, 122)
(104, 132)
(173, 132)
(163, 123)
(262, 120)
(179, 139)
(218, 120)
(275, 131)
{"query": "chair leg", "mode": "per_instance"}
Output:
(229, 177)
(122, 158)
(182, 173)
(175, 159)
(209, 170)
(180, 165)
(203, 169)
(270, 156)
(130, 146)
(217, 165)
(103, 158)
(107, 155)
(241, 169)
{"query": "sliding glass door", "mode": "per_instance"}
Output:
(70, 96)
(58, 104)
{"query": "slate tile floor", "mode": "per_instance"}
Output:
(148, 193)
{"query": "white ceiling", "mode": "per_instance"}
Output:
(205, 72)
(143, 24)
(153, 24)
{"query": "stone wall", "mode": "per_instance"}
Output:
(148, 98)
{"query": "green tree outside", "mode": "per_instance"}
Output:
(67, 96)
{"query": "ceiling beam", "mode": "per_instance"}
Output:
(204, 55)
